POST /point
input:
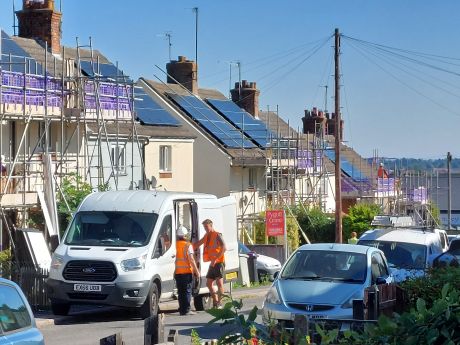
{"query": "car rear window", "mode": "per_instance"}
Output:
(14, 314)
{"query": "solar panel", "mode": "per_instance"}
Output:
(255, 129)
(149, 112)
(106, 70)
(12, 52)
(354, 172)
(212, 122)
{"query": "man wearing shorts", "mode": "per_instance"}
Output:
(214, 250)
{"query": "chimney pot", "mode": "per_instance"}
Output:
(185, 72)
(248, 98)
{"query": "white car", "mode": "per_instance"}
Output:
(322, 280)
(267, 266)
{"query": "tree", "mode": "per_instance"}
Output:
(74, 190)
(359, 219)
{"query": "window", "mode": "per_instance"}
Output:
(13, 311)
(164, 237)
(165, 158)
(42, 136)
(252, 177)
(118, 155)
(378, 267)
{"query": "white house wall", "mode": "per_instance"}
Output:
(180, 178)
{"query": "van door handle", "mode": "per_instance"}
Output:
(173, 256)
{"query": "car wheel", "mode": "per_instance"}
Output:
(61, 309)
(200, 301)
(150, 306)
(263, 275)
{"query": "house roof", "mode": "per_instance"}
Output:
(248, 156)
(54, 64)
(158, 132)
(277, 124)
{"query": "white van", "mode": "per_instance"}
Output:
(409, 250)
(119, 248)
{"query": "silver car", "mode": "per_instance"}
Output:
(17, 324)
(322, 280)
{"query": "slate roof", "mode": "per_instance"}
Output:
(157, 132)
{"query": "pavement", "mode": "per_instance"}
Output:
(46, 319)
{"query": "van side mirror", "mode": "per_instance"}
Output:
(157, 252)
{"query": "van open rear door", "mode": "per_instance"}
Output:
(222, 212)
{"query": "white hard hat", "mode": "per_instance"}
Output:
(182, 231)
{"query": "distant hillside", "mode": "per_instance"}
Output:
(419, 164)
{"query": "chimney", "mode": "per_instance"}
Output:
(247, 97)
(185, 72)
(312, 119)
(331, 126)
(39, 20)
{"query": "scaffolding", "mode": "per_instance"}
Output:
(51, 111)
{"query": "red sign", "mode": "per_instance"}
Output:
(274, 223)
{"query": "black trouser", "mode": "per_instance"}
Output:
(184, 290)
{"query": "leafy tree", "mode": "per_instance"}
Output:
(359, 219)
(318, 226)
(74, 190)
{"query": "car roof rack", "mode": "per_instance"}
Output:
(393, 221)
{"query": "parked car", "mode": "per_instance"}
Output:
(17, 323)
(451, 237)
(449, 258)
(409, 250)
(322, 280)
(267, 266)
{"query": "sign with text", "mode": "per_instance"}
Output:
(275, 222)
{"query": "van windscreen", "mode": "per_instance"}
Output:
(400, 254)
(111, 229)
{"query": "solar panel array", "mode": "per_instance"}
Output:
(354, 172)
(105, 70)
(255, 129)
(149, 112)
(13, 57)
(215, 124)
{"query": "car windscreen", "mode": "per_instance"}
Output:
(14, 314)
(111, 229)
(400, 254)
(326, 265)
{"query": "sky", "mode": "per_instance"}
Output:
(394, 102)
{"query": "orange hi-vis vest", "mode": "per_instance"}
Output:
(213, 247)
(183, 265)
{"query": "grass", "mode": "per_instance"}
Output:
(264, 282)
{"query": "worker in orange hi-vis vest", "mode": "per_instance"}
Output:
(185, 266)
(214, 250)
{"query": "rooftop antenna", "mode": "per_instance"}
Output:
(14, 19)
(195, 10)
(167, 35)
(325, 97)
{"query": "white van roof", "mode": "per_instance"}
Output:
(144, 201)
(405, 235)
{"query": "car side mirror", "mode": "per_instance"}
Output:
(380, 281)
(276, 274)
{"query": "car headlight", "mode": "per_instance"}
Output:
(133, 264)
(349, 303)
(273, 296)
(56, 261)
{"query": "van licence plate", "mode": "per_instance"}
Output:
(87, 287)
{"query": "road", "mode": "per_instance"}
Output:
(88, 326)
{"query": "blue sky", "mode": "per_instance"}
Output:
(394, 106)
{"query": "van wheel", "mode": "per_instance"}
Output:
(61, 309)
(200, 301)
(150, 306)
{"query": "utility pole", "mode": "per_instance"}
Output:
(338, 170)
(449, 195)
(195, 9)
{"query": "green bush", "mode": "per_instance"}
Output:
(5, 263)
(317, 225)
(359, 219)
(429, 287)
(74, 190)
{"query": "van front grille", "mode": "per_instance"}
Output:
(90, 271)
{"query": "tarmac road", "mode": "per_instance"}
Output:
(87, 326)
